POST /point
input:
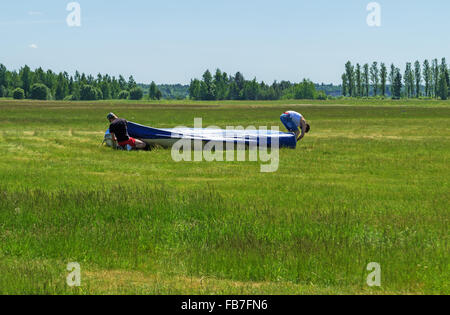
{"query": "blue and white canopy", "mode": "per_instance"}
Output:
(168, 137)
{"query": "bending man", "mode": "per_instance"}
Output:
(296, 123)
(119, 133)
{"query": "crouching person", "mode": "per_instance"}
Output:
(119, 133)
(296, 123)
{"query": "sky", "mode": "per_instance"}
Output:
(173, 41)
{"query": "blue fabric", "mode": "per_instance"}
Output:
(238, 136)
(287, 121)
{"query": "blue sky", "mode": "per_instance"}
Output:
(172, 41)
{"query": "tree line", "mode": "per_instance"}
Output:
(49, 85)
(429, 80)
(221, 86)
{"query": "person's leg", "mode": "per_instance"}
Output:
(288, 123)
(139, 144)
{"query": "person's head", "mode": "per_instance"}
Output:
(111, 117)
(308, 128)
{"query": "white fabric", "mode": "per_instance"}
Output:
(296, 117)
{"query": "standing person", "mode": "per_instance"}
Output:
(119, 133)
(296, 123)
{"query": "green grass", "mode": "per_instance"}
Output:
(369, 184)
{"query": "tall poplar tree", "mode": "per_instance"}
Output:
(427, 76)
(359, 91)
(366, 80)
(383, 76)
(374, 77)
(435, 76)
(349, 72)
(392, 74)
(418, 77)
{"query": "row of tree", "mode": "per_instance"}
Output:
(419, 80)
(44, 85)
(221, 86)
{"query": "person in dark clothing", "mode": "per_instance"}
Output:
(119, 133)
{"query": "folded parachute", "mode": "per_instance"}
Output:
(168, 137)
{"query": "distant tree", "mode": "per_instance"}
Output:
(305, 90)
(366, 80)
(136, 94)
(154, 93)
(418, 77)
(77, 76)
(39, 91)
(221, 85)
(14, 80)
(234, 91)
(445, 70)
(62, 87)
(237, 86)
(123, 95)
(18, 94)
(98, 93)
(122, 83)
(397, 85)
(442, 86)
(83, 79)
(50, 81)
(359, 91)
(374, 78)
(207, 91)
(392, 74)
(195, 90)
(406, 80)
(3, 91)
(435, 76)
(321, 95)
(39, 76)
(115, 89)
(428, 77)
(349, 72)
(71, 85)
(89, 93)
(226, 89)
(409, 80)
(105, 87)
(25, 77)
(90, 80)
(159, 95)
(251, 90)
(344, 85)
(383, 77)
(444, 80)
(3, 78)
(131, 84)
(104, 84)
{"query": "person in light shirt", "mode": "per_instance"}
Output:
(296, 123)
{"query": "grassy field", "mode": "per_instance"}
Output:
(368, 184)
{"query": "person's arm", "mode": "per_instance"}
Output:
(302, 128)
